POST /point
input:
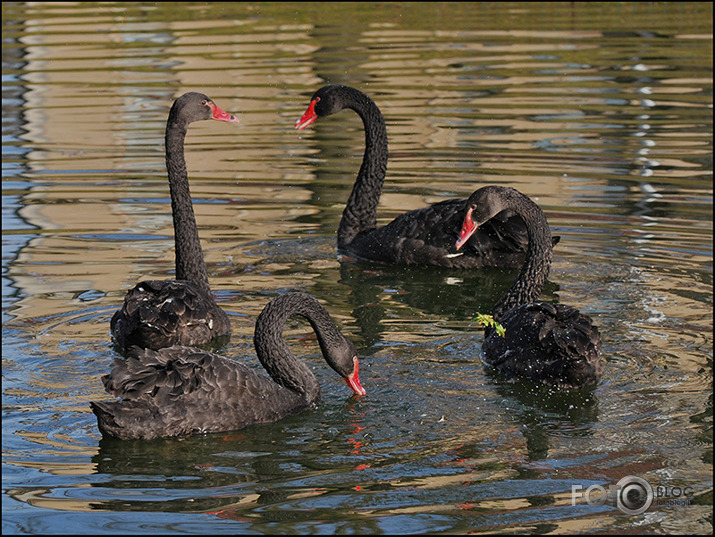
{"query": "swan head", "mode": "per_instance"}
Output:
(324, 102)
(353, 379)
(483, 205)
(194, 106)
(342, 357)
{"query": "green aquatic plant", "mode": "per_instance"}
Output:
(488, 320)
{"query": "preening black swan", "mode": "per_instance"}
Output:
(156, 313)
(420, 237)
(550, 343)
(180, 391)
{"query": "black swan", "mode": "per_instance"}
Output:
(549, 343)
(420, 237)
(162, 313)
(179, 391)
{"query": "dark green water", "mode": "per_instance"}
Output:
(602, 112)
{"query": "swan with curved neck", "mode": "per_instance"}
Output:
(420, 237)
(550, 343)
(158, 313)
(179, 391)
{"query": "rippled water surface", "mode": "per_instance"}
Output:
(601, 112)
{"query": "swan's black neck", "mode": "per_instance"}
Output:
(189, 256)
(531, 280)
(360, 213)
(274, 353)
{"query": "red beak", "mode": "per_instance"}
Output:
(220, 115)
(354, 380)
(309, 117)
(468, 229)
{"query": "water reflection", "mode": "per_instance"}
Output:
(225, 462)
(383, 295)
(542, 412)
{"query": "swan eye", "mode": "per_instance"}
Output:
(205, 102)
